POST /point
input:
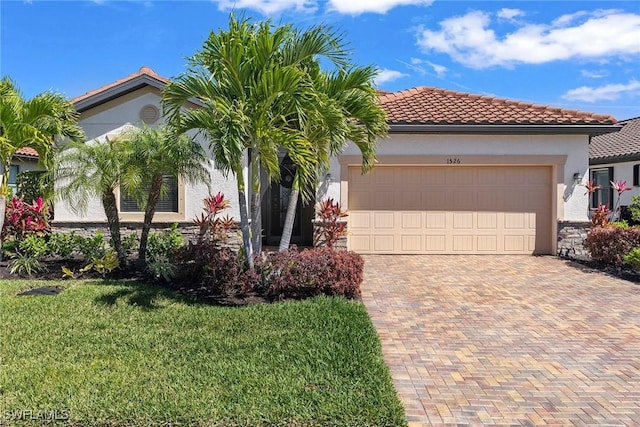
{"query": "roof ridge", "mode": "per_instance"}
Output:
(144, 70)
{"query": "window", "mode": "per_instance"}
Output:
(603, 195)
(13, 178)
(168, 203)
(636, 175)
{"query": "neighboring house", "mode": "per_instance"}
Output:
(458, 174)
(25, 160)
(616, 156)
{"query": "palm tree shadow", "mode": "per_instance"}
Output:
(140, 294)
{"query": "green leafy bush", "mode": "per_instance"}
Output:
(91, 247)
(33, 246)
(632, 259)
(611, 244)
(33, 184)
(62, 245)
(161, 244)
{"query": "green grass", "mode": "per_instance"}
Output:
(127, 354)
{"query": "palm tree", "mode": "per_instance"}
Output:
(349, 112)
(34, 123)
(83, 171)
(155, 154)
(253, 89)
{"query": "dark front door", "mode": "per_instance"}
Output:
(274, 211)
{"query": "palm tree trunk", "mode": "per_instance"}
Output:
(291, 216)
(244, 219)
(111, 211)
(256, 211)
(149, 211)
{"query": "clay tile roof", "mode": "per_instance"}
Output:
(26, 151)
(143, 71)
(617, 145)
(433, 106)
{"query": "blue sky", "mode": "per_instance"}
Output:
(581, 55)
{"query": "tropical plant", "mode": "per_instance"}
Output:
(254, 91)
(603, 215)
(348, 111)
(330, 226)
(34, 123)
(96, 169)
(156, 153)
(212, 228)
(22, 219)
(26, 265)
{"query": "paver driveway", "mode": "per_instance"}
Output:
(507, 340)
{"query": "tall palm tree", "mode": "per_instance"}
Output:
(34, 123)
(156, 153)
(83, 171)
(252, 87)
(349, 112)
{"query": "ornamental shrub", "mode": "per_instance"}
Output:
(22, 219)
(316, 271)
(611, 244)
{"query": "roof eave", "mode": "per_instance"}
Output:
(497, 129)
(120, 90)
(631, 157)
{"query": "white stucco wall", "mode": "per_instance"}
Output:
(575, 147)
(622, 172)
(126, 109)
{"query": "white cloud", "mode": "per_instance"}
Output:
(509, 14)
(269, 7)
(609, 92)
(470, 40)
(416, 64)
(594, 74)
(385, 75)
(348, 7)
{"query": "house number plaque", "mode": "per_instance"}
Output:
(453, 161)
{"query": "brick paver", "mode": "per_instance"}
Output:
(507, 340)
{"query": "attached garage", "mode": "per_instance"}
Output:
(451, 210)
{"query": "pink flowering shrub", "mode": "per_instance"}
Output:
(22, 219)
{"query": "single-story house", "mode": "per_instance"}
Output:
(616, 156)
(458, 174)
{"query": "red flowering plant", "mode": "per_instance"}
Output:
(22, 219)
(329, 225)
(211, 227)
(602, 215)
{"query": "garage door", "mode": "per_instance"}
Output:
(450, 210)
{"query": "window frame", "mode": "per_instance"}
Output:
(595, 197)
(158, 216)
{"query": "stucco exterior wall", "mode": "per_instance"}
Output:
(126, 109)
(622, 172)
(574, 203)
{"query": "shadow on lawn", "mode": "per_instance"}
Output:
(141, 295)
(146, 296)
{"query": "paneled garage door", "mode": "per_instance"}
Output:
(450, 210)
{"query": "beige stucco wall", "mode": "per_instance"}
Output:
(572, 202)
(126, 109)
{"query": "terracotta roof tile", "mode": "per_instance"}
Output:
(427, 105)
(26, 151)
(142, 71)
(625, 142)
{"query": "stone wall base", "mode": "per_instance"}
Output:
(188, 230)
(571, 235)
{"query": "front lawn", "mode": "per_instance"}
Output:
(127, 354)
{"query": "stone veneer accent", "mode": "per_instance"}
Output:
(188, 229)
(571, 234)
